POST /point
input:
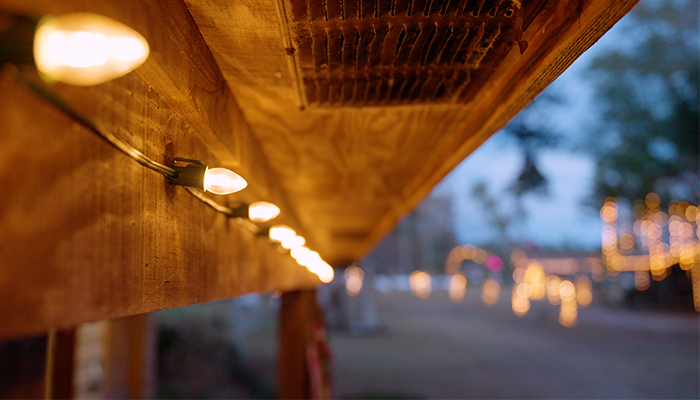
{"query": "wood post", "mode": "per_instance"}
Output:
(303, 355)
(60, 361)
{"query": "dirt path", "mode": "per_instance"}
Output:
(435, 349)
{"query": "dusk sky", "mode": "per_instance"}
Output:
(560, 218)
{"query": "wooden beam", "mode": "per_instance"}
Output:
(351, 173)
(60, 362)
(88, 234)
(298, 376)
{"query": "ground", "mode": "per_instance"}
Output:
(436, 349)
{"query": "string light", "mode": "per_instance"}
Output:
(100, 49)
(86, 49)
(278, 233)
(354, 277)
(262, 211)
(80, 49)
(292, 242)
(196, 174)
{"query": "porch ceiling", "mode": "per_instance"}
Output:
(362, 107)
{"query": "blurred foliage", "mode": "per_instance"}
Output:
(529, 129)
(648, 92)
(532, 133)
(497, 217)
(500, 215)
(199, 361)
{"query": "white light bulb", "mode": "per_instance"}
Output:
(292, 242)
(309, 258)
(223, 181)
(87, 49)
(262, 211)
(314, 259)
(323, 271)
(280, 232)
(326, 275)
(299, 254)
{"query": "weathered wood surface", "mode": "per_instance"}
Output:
(85, 232)
(89, 234)
(351, 173)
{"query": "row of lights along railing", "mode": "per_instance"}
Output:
(87, 49)
(653, 243)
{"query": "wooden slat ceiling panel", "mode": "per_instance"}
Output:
(381, 53)
(350, 172)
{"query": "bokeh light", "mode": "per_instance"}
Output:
(494, 263)
(354, 277)
(420, 284)
(552, 287)
(490, 292)
(457, 287)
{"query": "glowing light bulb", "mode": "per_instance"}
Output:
(313, 259)
(322, 269)
(262, 211)
(325, 273)
(306, 257)
(223, 181)
(280, 232)
(300, 254)
(87, 49)
(292, 242)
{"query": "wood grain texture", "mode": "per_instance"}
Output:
(89, 234)
(86, 232)
(418, 53)
(351, 173)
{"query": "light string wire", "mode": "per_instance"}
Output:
(229, 212)
(93, 125)
(96, 127)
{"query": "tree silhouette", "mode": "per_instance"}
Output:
(649, 97)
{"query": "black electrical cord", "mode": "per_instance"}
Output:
(97, 128)
(93, 125)
(230, 212)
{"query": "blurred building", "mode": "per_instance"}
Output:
(421, 241)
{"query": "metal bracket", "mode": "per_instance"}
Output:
(191, 175)
(17, 39)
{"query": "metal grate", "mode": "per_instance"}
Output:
(371, 52)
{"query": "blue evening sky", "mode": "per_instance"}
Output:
(559, 219)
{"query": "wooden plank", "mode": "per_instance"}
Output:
(60, 362)
(299, 313)
(351, 173)
(88, 234)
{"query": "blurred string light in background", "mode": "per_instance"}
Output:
(468, 252)
(458, 282)
(568, 310)
(420, 283)
(656, 242)
(490, 292)
(457, 287)
(567, 282)
(532, 283)
(354, 277)
(552, 287)
(88, 49)
(520, 299)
